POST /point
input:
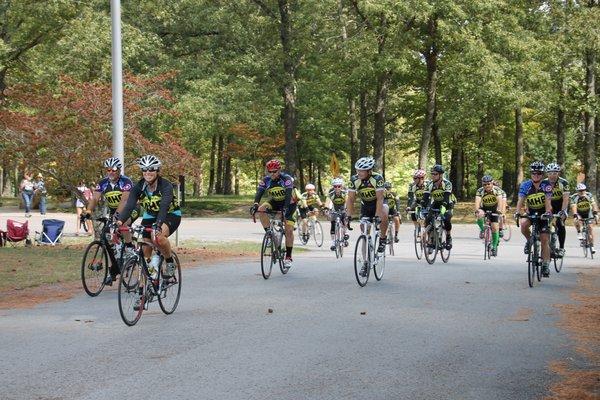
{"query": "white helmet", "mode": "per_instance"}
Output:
(365, 163)
(149, 161)
(309, 186)
(337, 182)
(112, 162)
(581, 186)
(553, 167)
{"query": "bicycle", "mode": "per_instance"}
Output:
(365, 252)
(586, 241)
(391, 235)
(314, 230)
(434, 239)
(487, 235)
(556, 260)
(417, 234)
(534, 257)
(109, 247)
(272, 249)
(340, 238)
(138, 286)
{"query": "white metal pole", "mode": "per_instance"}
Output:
(117, 83)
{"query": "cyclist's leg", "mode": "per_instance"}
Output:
(264, 218)
(383, 215)
(290, 221)
(414, 218)
(561, 231)
(525, 225)
(495, 232)
(448, 227)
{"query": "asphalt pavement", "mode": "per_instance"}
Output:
(468, 329)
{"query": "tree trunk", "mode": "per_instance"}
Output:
(508, 183)
(457, 172)
(431, 56)
(589, 161)
(353, 133)
(219, 184)
(518, 152)
(363, 136)
(437, 140)
(560, 136)
(480, 149)
(288, 88)
(466, 173)
(319, 184)
(311, 172)
(2, 85)
(236, 177)
(379, 118)
(211, 178)
(196, 190)
(227, 181)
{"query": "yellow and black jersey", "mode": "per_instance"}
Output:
(556, 191)
(535, 198)
(366, 188)
(415, 193)
(311, 199)
(437, 190)
(157, 204)
(391, 199)
(584, 204)
(338, 200)
(489, 199)
(113, 191)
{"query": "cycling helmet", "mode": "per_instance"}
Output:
(437, 168)
(365, 163)
(487, 179)
(273, 165)
(113, 162)
(553, 167)
(537, 166)
(149, 161)
(581, 186)
(419, 173)
(309, 186)
(387, 185)
(337, 182)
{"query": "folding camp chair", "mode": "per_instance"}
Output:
(16, 232)
(52, 230)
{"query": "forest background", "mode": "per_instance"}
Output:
(215, 88)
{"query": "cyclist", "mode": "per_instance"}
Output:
(115, 189)
(336, 201)
(438, 195)
(502, 208)
(584, 206)
(311, 201)
(161, 210)
(532, 195)
(279, 186)
(369, 186)
(558, 192)
(393, 203)
(489, 198)
(415, 194)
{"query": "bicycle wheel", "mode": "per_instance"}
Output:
(537, 257)
(558, 262)
(337, 240)
(418, 242)
(318, 233)
(280, 252)
(390, 239)
(131, 289)
(487, 242)
(94, 268)
(530, 267)
(379, 262)
(267, 257)
(430, 245)
(170, 290)
(444, 252)
(304, 237)
(361, 261)
(506, 231)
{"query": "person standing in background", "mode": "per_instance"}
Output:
(40, 187)
(26, 188)
(80, 206)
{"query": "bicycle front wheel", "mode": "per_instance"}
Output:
(558, 262)
(170, 290)
(94, 268)
(444, 251)
(537, 257)
(318, 233)
(267, 256)
(379, 262)
(131, 292)
(418, 242)
(338, 240)
(280, 252)
(430, 245)
(506, 231)
(487, 242)
(361, 261)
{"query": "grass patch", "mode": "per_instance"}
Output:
(218, 205)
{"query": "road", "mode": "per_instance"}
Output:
(468, 329)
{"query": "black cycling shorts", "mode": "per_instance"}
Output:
(493, 218)
(172, 221)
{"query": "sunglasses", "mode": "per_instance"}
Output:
(337, 186)
(112, 169)
(149, 169)
(487, 184)
(273, 172)
(537, 173)
(435, 173)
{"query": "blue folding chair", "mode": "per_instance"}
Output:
(52, 230)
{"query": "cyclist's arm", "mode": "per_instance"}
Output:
(166, 199)
(350, 201)
(380, 194)
(519, 208)
(135, 194)
(259, 193)
(93, 201)
(565, 203)
(410, 199)
(328, 203)
(477, 203)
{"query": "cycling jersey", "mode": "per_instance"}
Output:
(366, 188)
(535, 199)
(311, 199)
(391, 199)
(555, 191)
(338, 200)
(156, 204)
(489, 200)
(279, 190)
(440, 192)
(113, 192)
(584, 204)
(415, 194)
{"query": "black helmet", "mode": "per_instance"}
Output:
(537, 166)
(487, 179)
(437, 168)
